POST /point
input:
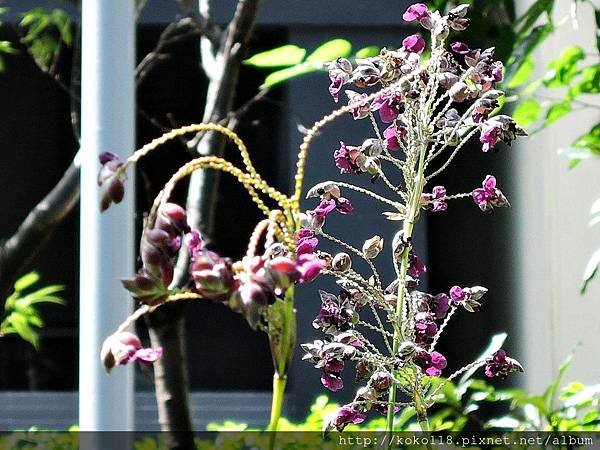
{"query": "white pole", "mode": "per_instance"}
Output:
(106, 245)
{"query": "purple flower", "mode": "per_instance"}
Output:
(414, 44)
(389, 105)
(501, 365)
(460, 47)
(425, 328)
(336, 315)
(440, 305)
(467, 297)
(418, 11)
(497, 71)
(499, 128)
(110, 180)
(330, 375)
(457, 19)
(124, 347)
(345, 158)
(339, 74)
(436, 201)
(343, 205)
(393, 135)
(195, 243)
(345, 415)
(416, 267)
(213, 275)
(306, 242)
(458, 294)
(324, 208)
(309, 266)
(359, 104)
(431, 364)
(489, 196)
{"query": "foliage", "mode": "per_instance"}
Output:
(461, 407)
(44, 33)
(466, 404)
(292, 57)
(6, 47)
(22, 316)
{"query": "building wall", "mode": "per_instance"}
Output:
(552, 236)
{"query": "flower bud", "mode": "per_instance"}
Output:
(341, 262)
(372, 247)
(459, 92)
(381, 380)
(400, 243)
(172, 218)
(110, 180)
(406, 350)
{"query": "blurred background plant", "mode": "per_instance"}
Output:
(21, 312)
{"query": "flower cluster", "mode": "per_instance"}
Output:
(425, 111)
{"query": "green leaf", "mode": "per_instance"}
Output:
(7, 47)
(585, 147)
(283, 75)
(562, 69)
(23, 329)
(552, 389)
(367, 52)
(506, 422)
(557, 110)
(527, 112)
(523, 73)
(44, 295)
(336, 48)
(286, 55)
(524, 48)
(591, 269)
(26, 281)
(589, 83)
(533, 14)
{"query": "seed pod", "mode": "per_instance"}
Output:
(372, 247)
(341, 262)
(400, 243)
(372, 147)
(406, 350)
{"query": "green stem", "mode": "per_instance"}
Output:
(282, 337)
(277, 403)
(409, 224)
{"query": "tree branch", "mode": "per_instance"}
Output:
(18, 251)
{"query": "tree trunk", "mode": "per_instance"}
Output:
(168, 329)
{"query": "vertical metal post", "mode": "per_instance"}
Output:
(106, 245)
